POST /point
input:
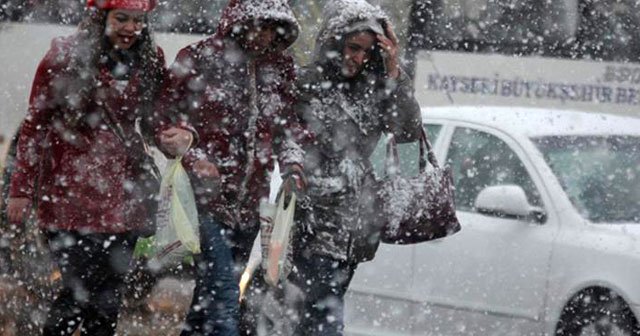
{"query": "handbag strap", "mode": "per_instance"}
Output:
(426, 155)
(392, 160)
(425, 146)
(110, 120)
(114, 125)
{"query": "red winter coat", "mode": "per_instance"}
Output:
(81, 169)
(216, 86)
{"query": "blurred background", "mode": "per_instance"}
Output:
(581, 42)
(593, 29)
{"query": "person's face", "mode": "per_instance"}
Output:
(124, 27)
(356, 53)
(259, 38)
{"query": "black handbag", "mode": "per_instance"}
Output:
(419, 208)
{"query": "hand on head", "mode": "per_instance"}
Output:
(358, 49)
(389, 46)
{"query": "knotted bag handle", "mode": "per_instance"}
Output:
(393, 160)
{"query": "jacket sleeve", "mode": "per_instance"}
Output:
(288, 133)
(170, 108)
(35, 127)
(402, 117)
(161, 119)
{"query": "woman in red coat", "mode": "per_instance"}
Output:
(82, 160)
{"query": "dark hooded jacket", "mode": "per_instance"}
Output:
(241, 108)
(347, 117)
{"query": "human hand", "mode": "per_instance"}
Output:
(389, 46)
(206, 170)
(295, 179)
(17, 209)
(176, 141)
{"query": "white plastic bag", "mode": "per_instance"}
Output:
(255, 259)
(178, 228)
(276, 255)
(267, 212)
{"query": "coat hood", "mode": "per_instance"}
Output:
(343, 17)
(239, 12)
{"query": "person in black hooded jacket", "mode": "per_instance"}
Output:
(353, 92)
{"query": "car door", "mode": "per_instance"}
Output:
(490, 278)
(380, 300)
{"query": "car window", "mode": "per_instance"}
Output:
(480, 160)
(433, 130)
(408, 153)
(600, 174)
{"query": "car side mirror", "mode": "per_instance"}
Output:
(508, 201)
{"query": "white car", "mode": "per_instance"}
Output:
(549, 203)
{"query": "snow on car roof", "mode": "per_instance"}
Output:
(536, 122)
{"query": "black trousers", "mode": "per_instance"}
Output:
(93, 268)
(324, 282)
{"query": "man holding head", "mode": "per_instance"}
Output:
(353, 92)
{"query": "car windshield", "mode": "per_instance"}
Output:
(601, 174)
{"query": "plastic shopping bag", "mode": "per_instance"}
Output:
(276, 254)
(252, 265)
(178, 229)
(267, 211)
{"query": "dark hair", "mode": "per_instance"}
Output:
(91, 49)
